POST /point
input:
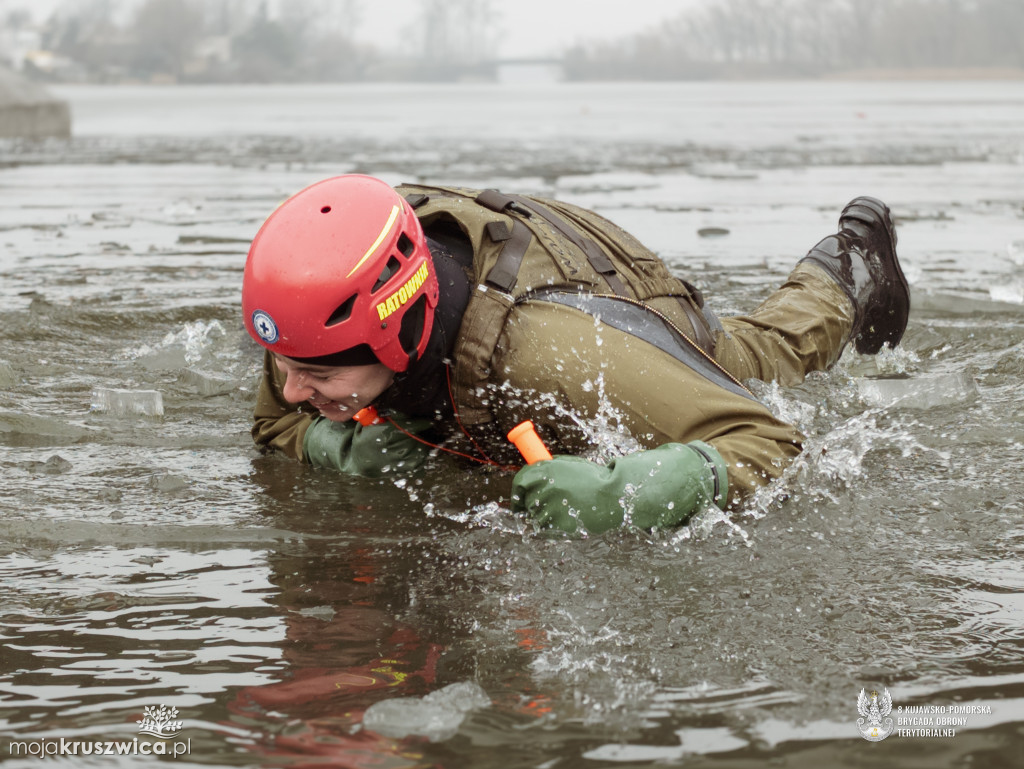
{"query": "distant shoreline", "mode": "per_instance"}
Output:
(732, 74)
(929, 73)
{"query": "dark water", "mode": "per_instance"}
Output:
(150, 557)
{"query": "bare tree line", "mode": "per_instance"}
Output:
(318, 40)
(266, 41)
(813, 37)
(203, 40)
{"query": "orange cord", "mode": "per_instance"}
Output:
(486, 459)
(455, 413)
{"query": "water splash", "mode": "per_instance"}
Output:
(892, 361)
(494, 516)
(835, 461)
(784, 406)
(195, 337)
(605, 431)
(711, 522)
(187, 346)
(606, 677)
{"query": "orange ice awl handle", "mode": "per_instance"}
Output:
(368, 416)
(525, 438)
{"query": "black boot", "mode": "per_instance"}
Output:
(861, 258)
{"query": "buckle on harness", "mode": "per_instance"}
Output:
(499, 202)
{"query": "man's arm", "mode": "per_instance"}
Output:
(692, 430)
(657, 488)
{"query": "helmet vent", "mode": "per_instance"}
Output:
(389, 270)
(343, 312)
(411, 331)
(405, 245)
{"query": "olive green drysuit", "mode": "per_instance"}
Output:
(579, 322)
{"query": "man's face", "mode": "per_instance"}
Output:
(337, 392)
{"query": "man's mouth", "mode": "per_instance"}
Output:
(328, 405)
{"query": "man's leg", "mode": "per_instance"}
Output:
(849, 287)
(800, 328)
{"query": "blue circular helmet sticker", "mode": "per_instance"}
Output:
(265, 326)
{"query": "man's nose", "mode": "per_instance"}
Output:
(295, 389)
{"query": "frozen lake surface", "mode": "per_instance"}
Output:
(151, 557)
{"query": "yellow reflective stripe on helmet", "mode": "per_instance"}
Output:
(380, 239)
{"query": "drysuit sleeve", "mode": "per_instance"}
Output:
(658, 488)
(574, 374)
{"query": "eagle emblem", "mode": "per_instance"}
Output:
(875, 724)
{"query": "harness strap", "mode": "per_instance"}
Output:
(505, 272)
(603, 265)
(706, 323)
(598, 259)
(701, 333)
(499, 202)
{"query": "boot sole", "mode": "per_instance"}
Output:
(892, 321)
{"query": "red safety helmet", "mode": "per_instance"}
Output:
(340, 270)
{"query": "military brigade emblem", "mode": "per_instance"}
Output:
(875, 724)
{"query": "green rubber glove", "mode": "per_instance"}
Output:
(372, 451)
(659, 488)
